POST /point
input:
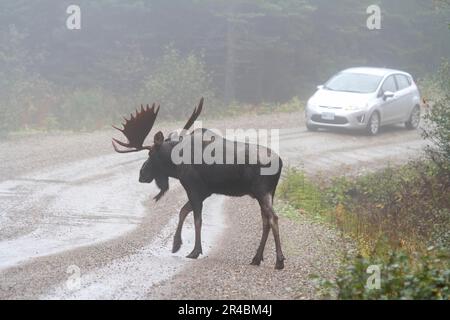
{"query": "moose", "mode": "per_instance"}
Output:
(201, 180)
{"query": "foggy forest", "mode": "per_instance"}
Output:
(233, 52)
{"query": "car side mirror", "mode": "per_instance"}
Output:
(388, 95)
(320, 87)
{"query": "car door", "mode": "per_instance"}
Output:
(404, 96)
(389, 106)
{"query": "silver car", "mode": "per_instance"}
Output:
(365, 98)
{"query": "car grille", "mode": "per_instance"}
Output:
(327, 107)
(337, 120)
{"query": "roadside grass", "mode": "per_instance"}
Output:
(232, 111)
(238, 109)
(301, 197)
(399, 219)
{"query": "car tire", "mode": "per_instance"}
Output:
(311, 127)
(414, 119)
(373, 125)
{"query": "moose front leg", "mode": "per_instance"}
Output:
(177, 242)
(198, 230)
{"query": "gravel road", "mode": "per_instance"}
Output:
(75, 223)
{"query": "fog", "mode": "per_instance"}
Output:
(81, 68)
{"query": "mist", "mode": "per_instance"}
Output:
(124, 53)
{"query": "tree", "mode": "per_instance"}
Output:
(178, 83)
(438, 118)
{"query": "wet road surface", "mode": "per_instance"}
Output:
(75, 223)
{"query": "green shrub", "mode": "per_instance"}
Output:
(436, 86)
(393, 215)
(86, 110)
(27, 102)
(402, 276)
(381, 209)
(437, 130)
(178, 83)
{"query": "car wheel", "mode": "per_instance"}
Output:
(373, 126)
(311, 127)
(414, 119)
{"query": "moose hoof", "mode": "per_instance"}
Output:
(176, 245)
(194, 254)
(256, 261)
(279, 265)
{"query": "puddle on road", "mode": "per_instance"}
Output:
(39, 219)
(131, 277)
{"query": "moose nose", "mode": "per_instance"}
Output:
(144, 179)
(141, 177)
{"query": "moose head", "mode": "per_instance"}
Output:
(136, 129)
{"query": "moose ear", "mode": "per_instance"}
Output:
(158, 138)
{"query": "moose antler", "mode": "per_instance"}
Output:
(194, 115)
(136, 129)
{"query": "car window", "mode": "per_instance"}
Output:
(353, 82)
(402, 81)
(389, 85)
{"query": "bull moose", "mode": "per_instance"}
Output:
(201, 180)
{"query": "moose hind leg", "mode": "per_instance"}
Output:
(177, 242)
(198, 230)
(265, 233)
(267, 209)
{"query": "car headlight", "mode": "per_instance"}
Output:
(310, 105)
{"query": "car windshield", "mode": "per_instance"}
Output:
(353, 82)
